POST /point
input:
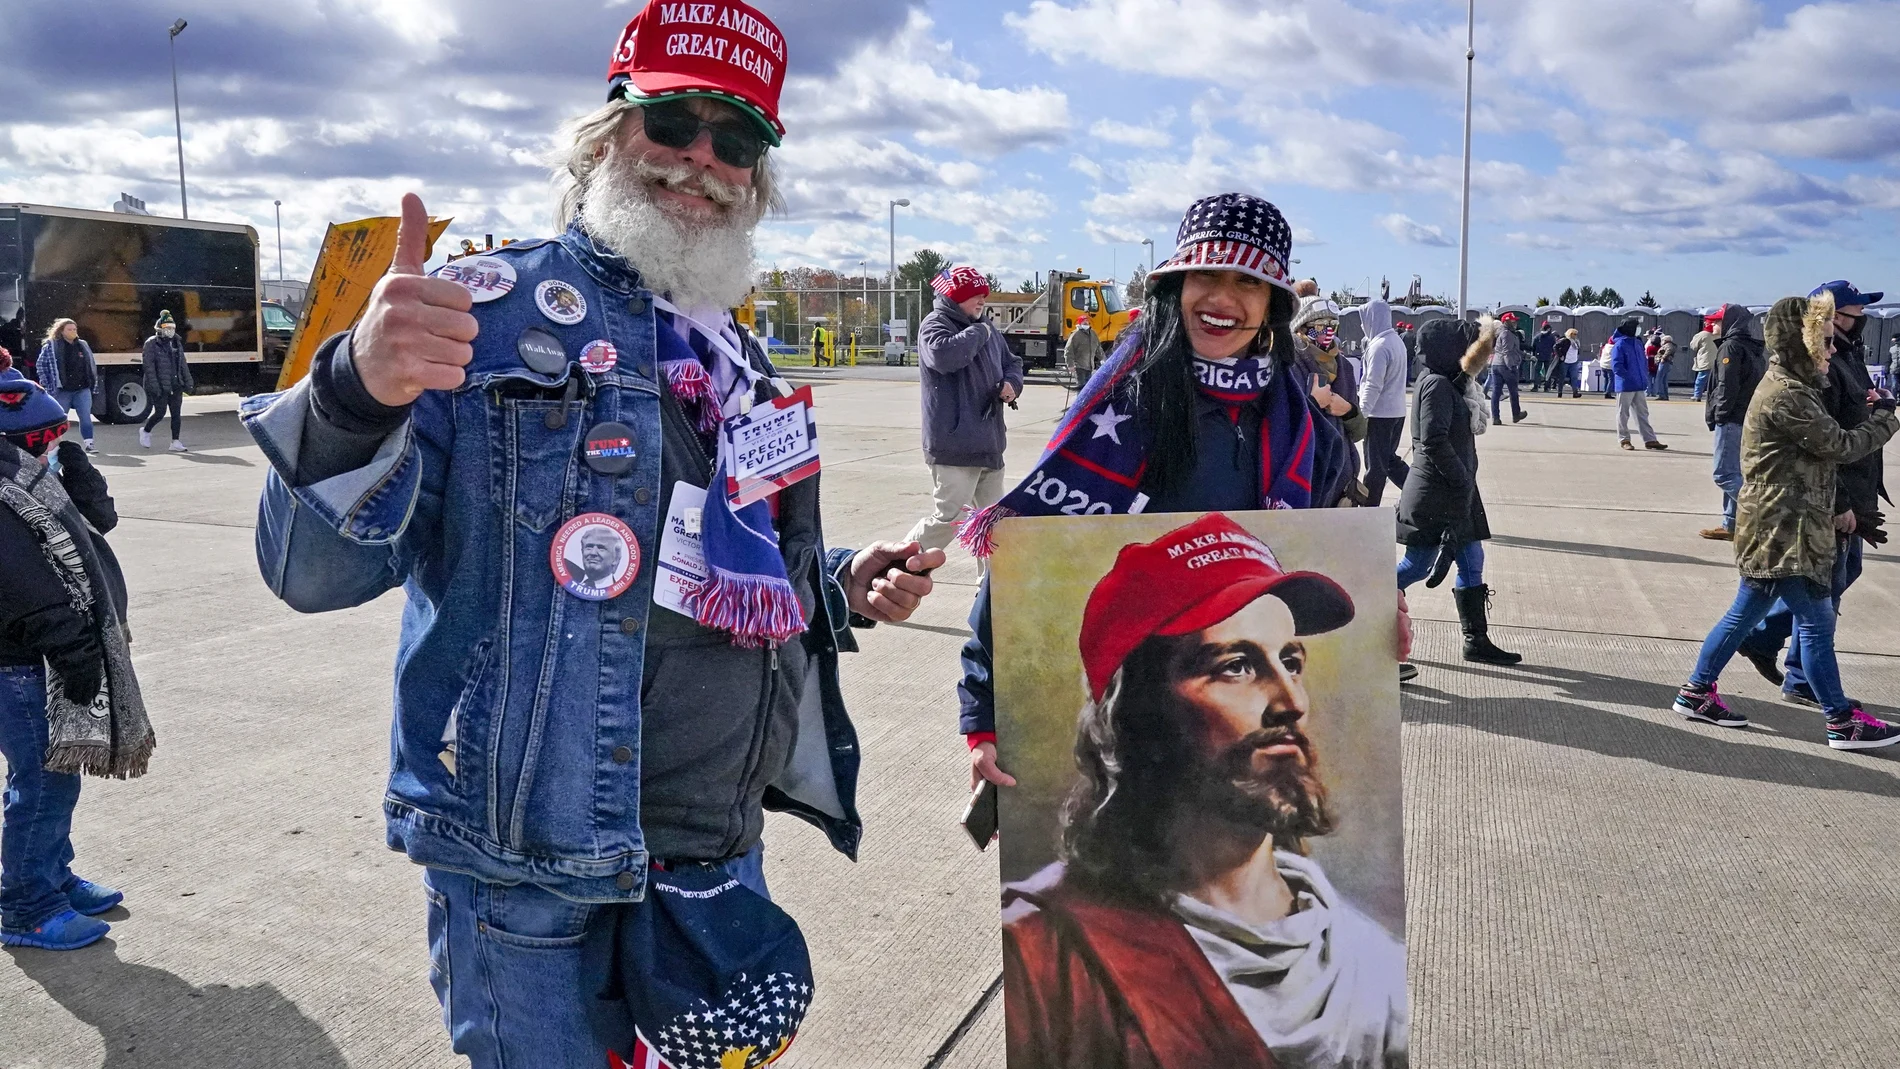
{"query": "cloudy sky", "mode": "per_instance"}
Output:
(1707, 150)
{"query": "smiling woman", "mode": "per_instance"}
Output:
(1198, 410)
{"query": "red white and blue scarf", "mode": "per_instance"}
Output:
(746, 591)
(1094, 462)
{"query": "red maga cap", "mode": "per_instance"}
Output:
(726, 50)
(959, 284)
(1190, 579)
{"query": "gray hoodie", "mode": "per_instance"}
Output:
(1382, 393)
(965, 363)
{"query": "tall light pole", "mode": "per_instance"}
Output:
(1464, 222)
(896, 204)
(279, 205)
(178, 121)
(1150, 242)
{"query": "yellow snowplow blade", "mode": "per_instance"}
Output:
(354, 256)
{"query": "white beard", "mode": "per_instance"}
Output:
(696, 264)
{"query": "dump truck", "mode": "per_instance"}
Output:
(1038, 325)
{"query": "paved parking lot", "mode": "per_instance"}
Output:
(1592, 881)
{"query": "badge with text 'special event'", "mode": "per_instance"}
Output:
(608, 448)
(484, 277)
(595, 557)
(560, 302)
(541, 351)
(599, 356)
(769, 448)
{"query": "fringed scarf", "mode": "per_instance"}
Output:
(112, 736)
(746, 591)
(1094, 462)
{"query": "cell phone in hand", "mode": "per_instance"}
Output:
(979, 817)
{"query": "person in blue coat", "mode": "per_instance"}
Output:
(1630, 365)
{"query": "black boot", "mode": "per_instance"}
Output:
(1472, 604)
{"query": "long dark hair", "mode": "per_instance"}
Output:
(1161, 387)
(1131, 756)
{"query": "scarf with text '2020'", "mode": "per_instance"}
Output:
(746, 591)
(1095, 460)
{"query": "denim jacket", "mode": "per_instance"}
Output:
(460, 506)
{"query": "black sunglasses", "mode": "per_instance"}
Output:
(736, 144)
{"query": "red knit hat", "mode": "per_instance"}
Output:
(1190, 579)
(726, 50)
(959, 284)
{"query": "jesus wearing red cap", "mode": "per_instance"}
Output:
(1184, 925)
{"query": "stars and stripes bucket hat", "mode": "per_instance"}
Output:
(1233, 232)
(703, 974)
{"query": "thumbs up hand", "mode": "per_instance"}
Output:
(415, 333)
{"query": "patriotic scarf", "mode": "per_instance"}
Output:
(746, 591)
(1233, 382)
(1095, 460)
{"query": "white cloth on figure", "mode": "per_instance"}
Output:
(1324, 986)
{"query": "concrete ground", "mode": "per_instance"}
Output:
(1593, 881)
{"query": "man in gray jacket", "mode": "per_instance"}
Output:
(969, 374)
(1382, 399)
(1506, 361)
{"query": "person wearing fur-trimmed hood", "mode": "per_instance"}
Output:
(1441, 513)
(1785, 546)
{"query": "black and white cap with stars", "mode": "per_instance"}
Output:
(1233, 232)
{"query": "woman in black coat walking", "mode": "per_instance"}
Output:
(167, 379)
(1441, 514)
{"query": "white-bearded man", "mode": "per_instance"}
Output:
(557, 740)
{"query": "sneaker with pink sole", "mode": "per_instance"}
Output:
(1858, 731)
(1706, 704)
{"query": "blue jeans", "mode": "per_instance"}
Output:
(1728, 468)
(79, 401)
(1502, 379)
(1418, 564)
(1780, 622)
(505, 962)
(36, 846)
(1659, 383)
(1701, 385)
(1813, 614)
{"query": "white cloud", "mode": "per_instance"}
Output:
(1122, 133)
(1306, 44)
(1412, 232)
(1086, 167)
(915, 85)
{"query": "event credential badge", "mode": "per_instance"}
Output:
(769, 448)
(681, 569)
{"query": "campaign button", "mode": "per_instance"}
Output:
(608, 448)
(485, 277)
(595, 557)
(541, 351)
(599, 356)
(560, 302)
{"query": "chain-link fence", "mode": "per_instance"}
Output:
(840, 325)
